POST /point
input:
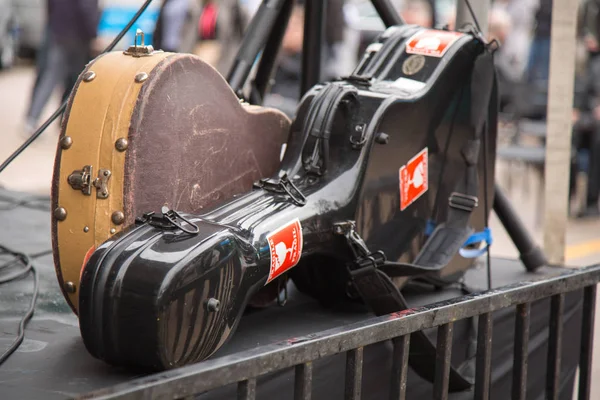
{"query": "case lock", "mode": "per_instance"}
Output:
(141, 50)
(81, 179)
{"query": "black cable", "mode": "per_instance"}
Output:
(485, 177)
(41, 203)
(26, 260)
(486, 213)
(473, 16)
(9, 264)
(63, 106)
(40, 254)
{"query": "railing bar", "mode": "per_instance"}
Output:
(587, 340)
(442, 361)
(399, 367)
(520, 361)
(557, 305)
(484, 357)
(226, 370)
(303, 381)
(247, 389)
(354, 363)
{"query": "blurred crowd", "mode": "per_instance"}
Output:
(213, 29)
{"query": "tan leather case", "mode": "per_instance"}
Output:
(163, 129)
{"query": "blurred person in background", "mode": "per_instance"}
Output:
(176, 26)
(232, 21)
(586, 113)
(499, 27)
(211, 29)
(538, 66)
(417, 12)
(517, 40)
(72, 27)
(533, 96)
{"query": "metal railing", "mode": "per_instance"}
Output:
(245, 367)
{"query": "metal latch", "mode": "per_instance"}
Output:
(81, 179)
(283, 184)
(168, 220)
(141, 50)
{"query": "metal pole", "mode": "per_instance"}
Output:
(480, 9)
(254, 41)
(387, 12)
(558, 142)
(531, 255)
(314, 26)
(269, 56)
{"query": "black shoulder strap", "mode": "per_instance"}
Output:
(372, 280)
(449, 236)
(383, 297)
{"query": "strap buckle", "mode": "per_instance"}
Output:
(366, 264)
(363, 258)
(463, 201)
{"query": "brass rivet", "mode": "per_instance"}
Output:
(70, 287)
(118, 217)
(121, 144)
(60, 214)
(141, 77)
(113, 231)
(89, 76)
(86, 229)
(66, 142)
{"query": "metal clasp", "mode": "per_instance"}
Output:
(360, 138)
(172, 216)
(139, 51)
(283, 185)
(168, 219)
(81, 179)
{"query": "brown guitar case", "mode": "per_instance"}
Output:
(147, 129)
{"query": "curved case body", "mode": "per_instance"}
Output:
(145, 132)
(344, 160)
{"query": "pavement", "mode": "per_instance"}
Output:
(32, 172)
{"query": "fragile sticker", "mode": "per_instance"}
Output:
(414, 179)
(432, 42)
(285, 246)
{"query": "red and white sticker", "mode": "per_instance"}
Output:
(432, 42)
(285, 246)
(414, 179)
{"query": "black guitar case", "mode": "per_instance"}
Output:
(382, 181)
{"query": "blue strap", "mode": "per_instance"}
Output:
(483, 236)
(477, 237)
(429, 228)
